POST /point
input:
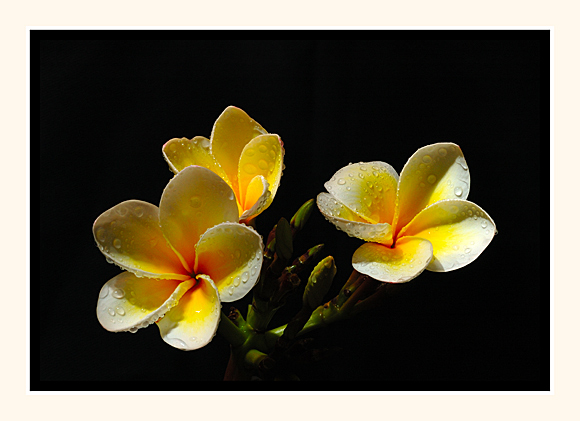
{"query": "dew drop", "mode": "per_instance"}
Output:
(363, 168)
(177, 343)
(122, 211)
(431, 179)
(458, 191)
(443, 152)
(231, 290)
(153, 242)
(421, 184)
(111, 311)
(249, 152)
(341, 181)
(361, 175)
(134, 329)
(101, 235)
(117, 243)
(195, 202)
(454, 209)
(120, 311)
(263, 164)
(483, 224)
(104, 291)
(138, 211)
(455, 248)
(118, 293)
(245, 277)
(238, 253)
(348, 188)
(250, 168)
(262, 148)
(467, 250)
(205, 143)
(237, 281)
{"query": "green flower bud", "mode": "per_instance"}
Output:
(319, 282)
(301, 216)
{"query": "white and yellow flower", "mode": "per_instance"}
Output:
(418, 221)
(241, 152)
(182, 258)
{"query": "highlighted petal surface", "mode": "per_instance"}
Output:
(193, 201)
(127, 303)
(435, 172)
(368, 188)
(129, 235)
(458, 230)
(231, 254)
(406, 261)
(193, 322)
(258, 198)
(231, 132)
(181, 153)
(263, 156)
(348, 221)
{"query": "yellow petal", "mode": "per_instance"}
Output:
(231, 254)
(231, 132)
(127, 303)
(263, 156)
(348, 221)
(194, 321)
(193, 201)
(129, 235)
(181, 153)
(435, 172)
(459, 231)
(368, 188)
(406, 261)
(258, 198)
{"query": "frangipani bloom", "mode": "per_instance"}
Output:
(418, 221)
(241, 152)
(182, 259)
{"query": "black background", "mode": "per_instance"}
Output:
(104, 102)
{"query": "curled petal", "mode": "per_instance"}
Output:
(193, 201)
(348, 221)
(258, 198)
(262, 156)
(231, 132)
(435, 172)
(127, 303)
(193, 322)
(231, 254)
(129, 235)
(405, 261)
(458, 230)
(369, 189)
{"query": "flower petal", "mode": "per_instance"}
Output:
(181, 153)
(127, 303)
(406, 261)
(258, 198)
(348, 221)
(263, 156)
(129, 235)
(435, 172)
(368, 188)
(459, 231)
(231, 132)
(193, 323)
(193, 201)
(231, 254)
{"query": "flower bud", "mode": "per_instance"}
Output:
(319, 282)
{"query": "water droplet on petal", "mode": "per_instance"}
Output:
(177, 343)
(120, 311)
(122, 211)
(262, 148)
(427, 159)
(118, 293)
(111, 311)
(134, 329)
(231, 290)
(138, 211)
(101, 235)
(117, 243)
(263, 164)
(249, 152)
(104, 291)
(237, 281)
(250, 168)
(442, 151)
(195, 202)
(458, 191)
(341, 181)
(432, 178)
(205, 143)
(245, 277)
(483, 224)
(467, 250)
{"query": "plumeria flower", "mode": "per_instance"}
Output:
(418, 221)
(182, 259)
(241, 152)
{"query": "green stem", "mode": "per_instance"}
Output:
(234, 335)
